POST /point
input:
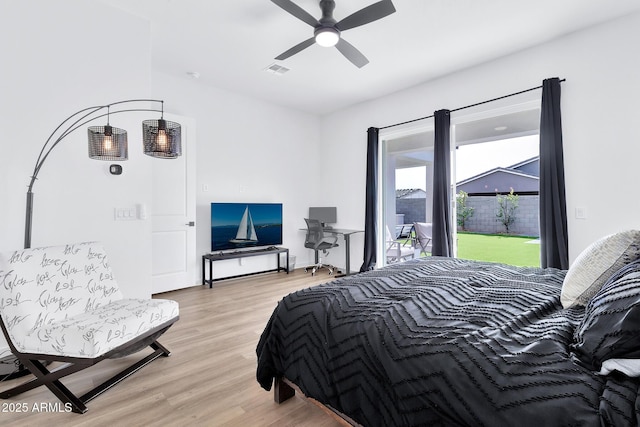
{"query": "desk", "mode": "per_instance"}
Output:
(346, 234)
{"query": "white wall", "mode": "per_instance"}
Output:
(55, 61)
(599, 107)
(248, 151)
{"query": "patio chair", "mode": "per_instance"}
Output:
(423, 236)
(398, 250)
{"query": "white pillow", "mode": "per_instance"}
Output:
(596, 264)
(629, 367)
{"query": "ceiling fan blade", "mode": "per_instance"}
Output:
(297, 11)
(368, 14)
(351, 53)
(297, 48)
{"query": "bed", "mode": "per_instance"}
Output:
(443, 341)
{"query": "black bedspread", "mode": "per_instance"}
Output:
(442, 341)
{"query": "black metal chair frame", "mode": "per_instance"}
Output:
(51, 379)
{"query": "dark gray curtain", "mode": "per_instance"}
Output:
(442, 244)
(554, 246)
(370, 220)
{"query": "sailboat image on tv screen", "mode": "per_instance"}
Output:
(246, 231)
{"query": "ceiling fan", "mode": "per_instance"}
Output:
(327, 30)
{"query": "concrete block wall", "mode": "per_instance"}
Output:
(484, 219)
(414, 210)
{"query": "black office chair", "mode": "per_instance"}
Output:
(318, 241)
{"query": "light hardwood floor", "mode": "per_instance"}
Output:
(209, 379)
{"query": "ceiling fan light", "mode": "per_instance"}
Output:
(327, 37)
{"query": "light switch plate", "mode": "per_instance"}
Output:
(124, 214)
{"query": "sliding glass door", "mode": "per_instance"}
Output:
(406, 177)
(407, 196)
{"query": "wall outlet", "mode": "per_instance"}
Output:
(581, 213)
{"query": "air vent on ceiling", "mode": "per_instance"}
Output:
(276, 69)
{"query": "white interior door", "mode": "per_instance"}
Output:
(174, 263)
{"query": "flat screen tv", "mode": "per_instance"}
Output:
(245, 225)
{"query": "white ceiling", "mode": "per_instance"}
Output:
(230, 43)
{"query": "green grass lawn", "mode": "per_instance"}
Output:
(512, 250)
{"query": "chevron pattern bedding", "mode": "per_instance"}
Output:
(441, 341)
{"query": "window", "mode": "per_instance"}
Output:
(407, 182)
(508, 137)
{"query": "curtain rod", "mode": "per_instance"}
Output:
(469, 106)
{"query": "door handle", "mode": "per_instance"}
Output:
(191, 224)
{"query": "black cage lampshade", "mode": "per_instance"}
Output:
(107, 143)
(161, 138)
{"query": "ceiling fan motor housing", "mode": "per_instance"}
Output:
(327, 7)
(327, 22)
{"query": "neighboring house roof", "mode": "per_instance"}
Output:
(522, 177)
(410, 193)
(530, 166)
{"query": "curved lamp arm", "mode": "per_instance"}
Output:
(68, 126)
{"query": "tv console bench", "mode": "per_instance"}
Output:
(219, 256)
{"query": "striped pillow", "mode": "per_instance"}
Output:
(609, 333)
(596, 264)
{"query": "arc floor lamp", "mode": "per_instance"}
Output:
(160, 138)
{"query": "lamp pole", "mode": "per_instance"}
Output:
(68, 126)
